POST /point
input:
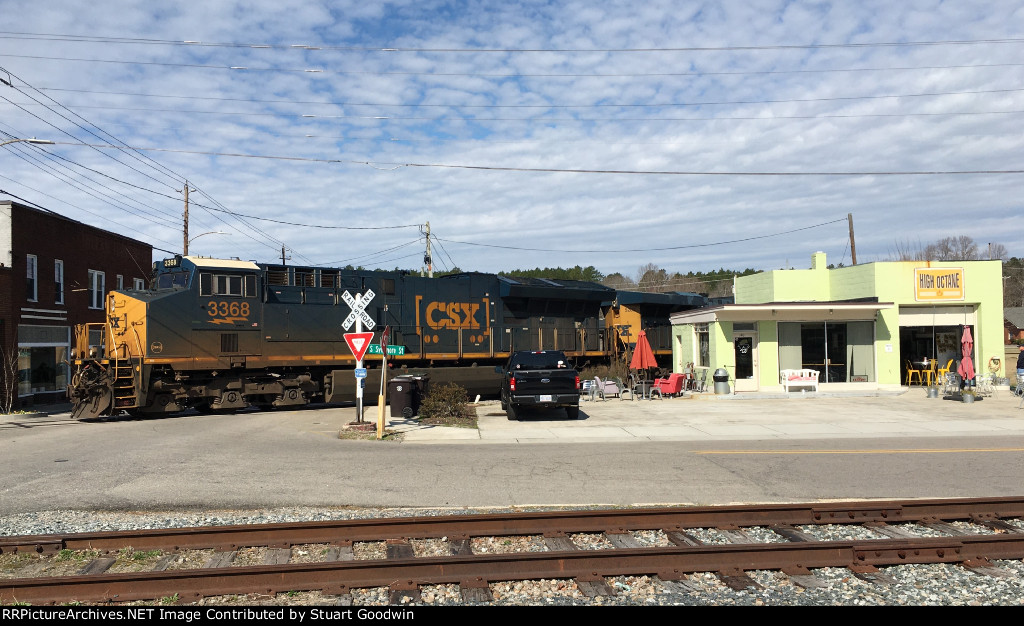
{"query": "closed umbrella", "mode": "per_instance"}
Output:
(643, 356)
(966, 367)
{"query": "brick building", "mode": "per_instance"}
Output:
(54, 273)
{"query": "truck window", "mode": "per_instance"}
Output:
(540, 361)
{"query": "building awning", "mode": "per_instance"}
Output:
(783, 312)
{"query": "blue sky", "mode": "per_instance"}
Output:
(690, 135)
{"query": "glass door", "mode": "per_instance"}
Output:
(745, 345)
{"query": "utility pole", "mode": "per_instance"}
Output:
(185, 246)
(283, 257)
(426, 257)
(853, 244)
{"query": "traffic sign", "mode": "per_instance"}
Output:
(360, 372)
(358, 305)
(358, 343)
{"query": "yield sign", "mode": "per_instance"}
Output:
(358, 343)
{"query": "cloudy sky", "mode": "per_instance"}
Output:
(691, 135)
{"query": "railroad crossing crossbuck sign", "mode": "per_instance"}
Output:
(357, 309)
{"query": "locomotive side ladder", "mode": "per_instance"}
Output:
(124, 378)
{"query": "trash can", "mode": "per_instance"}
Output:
(721, 378)
(401, 394)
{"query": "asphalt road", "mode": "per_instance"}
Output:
(295, 458)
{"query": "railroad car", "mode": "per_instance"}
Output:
(221, 335)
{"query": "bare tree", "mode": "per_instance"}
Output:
(651, 278)
(960, 248)
(618, 281)
(906, 251)
(8, 379)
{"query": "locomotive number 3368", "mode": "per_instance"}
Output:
(228, 309)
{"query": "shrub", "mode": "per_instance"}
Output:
(445, 402)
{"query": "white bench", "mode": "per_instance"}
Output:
(799, 378)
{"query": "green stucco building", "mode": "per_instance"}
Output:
(861, 327)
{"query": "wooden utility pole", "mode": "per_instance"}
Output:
(185, 246)
(853, 244)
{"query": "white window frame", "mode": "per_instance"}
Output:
(32, 277)
(58, 281)
(120, 282)
(139, 284)
(97, 289)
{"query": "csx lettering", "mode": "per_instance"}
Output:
(452, 315)
(227, 309)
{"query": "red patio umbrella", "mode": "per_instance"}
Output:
(966, 367)
(643, 356)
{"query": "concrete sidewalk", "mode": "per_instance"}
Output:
(905, 413)
(704, 417)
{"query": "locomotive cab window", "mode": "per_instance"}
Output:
(227, 285)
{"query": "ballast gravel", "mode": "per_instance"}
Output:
(911, 585)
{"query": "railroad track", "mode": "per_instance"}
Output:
(668, 543)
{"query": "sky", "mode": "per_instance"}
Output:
(689, 135)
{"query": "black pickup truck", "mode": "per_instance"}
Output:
(539, 379)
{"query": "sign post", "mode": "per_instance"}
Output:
(381, 399)
(360, 342)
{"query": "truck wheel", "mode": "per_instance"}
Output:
(572, 412)
(510, 411)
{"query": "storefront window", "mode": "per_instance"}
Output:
(840, 352)
(42, 370)
(703, 345)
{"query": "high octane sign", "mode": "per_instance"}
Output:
(934, 284)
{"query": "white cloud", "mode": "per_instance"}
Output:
(779, 107)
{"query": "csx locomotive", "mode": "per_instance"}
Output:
(222, 335)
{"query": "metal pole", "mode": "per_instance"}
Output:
(359, 365)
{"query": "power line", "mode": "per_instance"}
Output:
(696, 245)
(568, 171)
(307, 47)
(650, 105)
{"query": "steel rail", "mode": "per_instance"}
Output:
(672, 563)
(342, 532)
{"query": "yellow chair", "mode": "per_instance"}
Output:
(912, 372)
(945, 370)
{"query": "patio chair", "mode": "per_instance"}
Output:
(605, 388)
(700, 380)
(951, 384)
(912, 372)
(624, 389)
(945, 370)
(671, 386)
(983, 386)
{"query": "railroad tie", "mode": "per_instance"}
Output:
(622, 539)
(475, 590)
(97, 566)
(220, 559)
(791, 533)
(460, 547)
(803, 577)
(891, 531)
(680, 538)
(277, 556)
(404, 592)
(987, 569)
(342, 552)
(737, 580)
(871, 574)
(399, 549)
